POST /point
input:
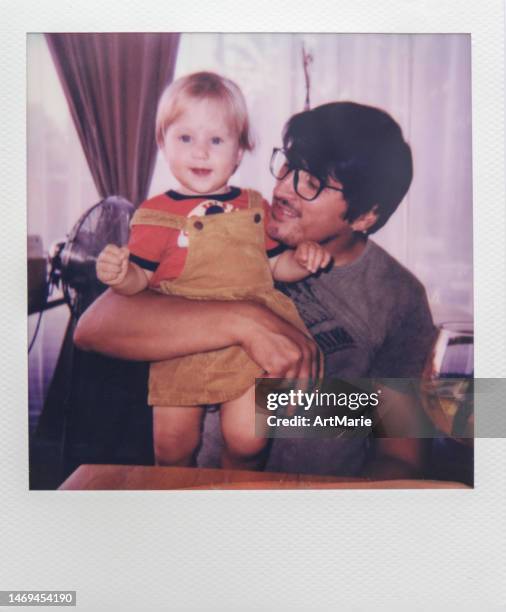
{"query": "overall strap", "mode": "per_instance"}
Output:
(148, 216)
(255, 199)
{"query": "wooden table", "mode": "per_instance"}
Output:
(148, 478)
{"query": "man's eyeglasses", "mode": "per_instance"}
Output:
(306, 185)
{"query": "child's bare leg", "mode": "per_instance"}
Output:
(242, 450)
(176, 434)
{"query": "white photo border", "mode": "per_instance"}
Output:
(259, 549)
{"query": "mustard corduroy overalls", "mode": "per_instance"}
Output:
(226, 260)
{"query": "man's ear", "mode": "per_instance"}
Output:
(366, 221)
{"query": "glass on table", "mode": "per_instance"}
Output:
(447, 382)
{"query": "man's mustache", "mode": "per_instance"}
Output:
(285, 203)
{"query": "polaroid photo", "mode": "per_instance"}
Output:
(348, 158)
(320, 193)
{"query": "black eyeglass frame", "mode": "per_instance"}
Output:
(296, 171)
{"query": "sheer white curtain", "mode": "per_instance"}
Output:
(423, 81)
(59, 188)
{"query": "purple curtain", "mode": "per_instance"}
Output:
(112, 83)
(95, 410)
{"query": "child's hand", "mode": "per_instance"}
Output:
(112, 265)
(312, 256)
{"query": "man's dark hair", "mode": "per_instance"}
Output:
(360, 146)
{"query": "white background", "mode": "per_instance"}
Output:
(260, 550)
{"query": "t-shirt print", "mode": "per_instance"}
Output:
(318, 318)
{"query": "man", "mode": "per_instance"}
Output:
(343, 170)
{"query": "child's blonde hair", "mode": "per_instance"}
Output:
(200, 86)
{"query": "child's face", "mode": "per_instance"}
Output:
(202, 148)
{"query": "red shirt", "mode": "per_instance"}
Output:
(162, 249)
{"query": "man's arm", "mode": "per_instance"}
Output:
(403, 433)
(152, 327)
(402, 438)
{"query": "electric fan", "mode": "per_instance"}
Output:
(72, 261)
(105, 223)
(84, 386)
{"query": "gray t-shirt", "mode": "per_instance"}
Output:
(370, 318)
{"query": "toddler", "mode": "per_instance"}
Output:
(206, 240)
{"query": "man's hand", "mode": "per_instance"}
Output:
(112, 265)
(275, 345)
(312, 256)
